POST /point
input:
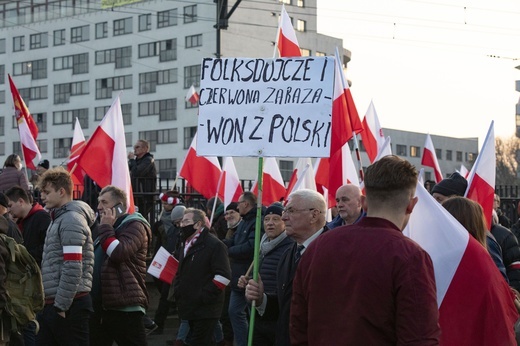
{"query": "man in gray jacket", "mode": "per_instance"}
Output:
(67, 264)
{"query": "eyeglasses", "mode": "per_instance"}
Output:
(291, 211)
(240, 202)
(187, 222)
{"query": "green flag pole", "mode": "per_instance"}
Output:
(258, 227)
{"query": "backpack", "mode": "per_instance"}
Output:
(24, 285)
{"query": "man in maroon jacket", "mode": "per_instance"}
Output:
(368, 284)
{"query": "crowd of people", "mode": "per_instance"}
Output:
(354, 280)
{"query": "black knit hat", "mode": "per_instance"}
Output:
(274, 209)
(454, 185)
(232, 206)
(3, 200)
(44, 164)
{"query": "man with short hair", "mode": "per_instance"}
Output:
(119, 290)
(368, 284)
(304, 218)
(201, 278)
(143, 175)
(348, 203)
(12, 229)
(32, 221)
(241, 250)
(67, 264)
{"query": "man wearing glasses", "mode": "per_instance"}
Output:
(304, 217)
(202, 277)
(143, 175)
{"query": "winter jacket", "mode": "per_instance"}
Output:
(510, 253)
(123, 272)
(143, 173)
(10, 177)
(68, 256)
(34, 229)
(196, 293)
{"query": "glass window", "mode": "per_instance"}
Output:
(193, 41)
(459, 156)
(438, 153)
(400, 150)
(123, 26)
(191, 76)
(41, 121)
(145, 22)
(148, 49)
(167, 18)
(59, 37)
(2, 74)
(286, 169)
(190, 14)
(415, 151)
(168, 50)
(300, 3)
(38, 41)
(101, 30)
(449, 154)
(79, 34)
(62, 147)
(167, 168)
(301, 25)
(2, 126)
(18, 43)
(2, 45)
(189, 133)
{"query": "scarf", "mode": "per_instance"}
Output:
(267, 245)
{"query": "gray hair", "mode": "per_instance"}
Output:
(316, 199)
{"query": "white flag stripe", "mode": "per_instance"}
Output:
(112, 246)
(72, 249)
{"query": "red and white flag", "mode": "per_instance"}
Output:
(475, 303)
(302, 177)
(273, 187)
(230, 186)
(78, 145)
(287, 43)
(104, 158)
(192, 96)
(464, 171)
(372, 135)
(203, 173)
(350, 175)
(385, 149)
(429, 158)
(481, 181)
(164, 266)
(27, 128)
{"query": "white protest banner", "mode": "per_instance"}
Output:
(265, 107)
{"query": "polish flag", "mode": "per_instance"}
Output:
(350, 174)
(321, 173)
(192, 96)
(164, 266)
(470, 289)
(464, 171)
(302, 177)
(429, 158)
(481, 181)
(273, 187)
(104, 157)
(203, 173)
(287, 43)
(385, 150)
(372, 135)
(78, 144)
(26, 128)
(230, 186)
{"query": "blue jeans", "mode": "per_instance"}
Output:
(238, 316)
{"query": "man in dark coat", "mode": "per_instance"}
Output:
(143, 175)
(201, 278)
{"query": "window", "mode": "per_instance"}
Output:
(105, 86)
(428, 176)
(2, 148)
(470, 157)
(300, 3)
(39, 69)
(22, 68)
(79, 34)
(59, 37)
(191, 76)
(128, 139)
(62, 147)
(69, 117)
(155, 137)
(305, 52)
(459, 156)
(126, 109)
(287, 2)
(80, 63)
(17, 149)
(2, 97)
(123, 26)
(145, 22)
(42, 145)
(286, 169)
(193, 41)
(101, 30)
(18, 43)
(38, 40)
(122, 57)
(2, 126)
(301, 25)
(167, 18)
(400, 150)
(2, 45)
(190, 14)
(41, 121)
(2, 74)
(189, 133)
(320, 54)
(149, 81)
(449, 155)
(166, 109)
(438, 153)
(168, 50)
(63, 92)
(167, 168)
(34, 93)
(415, 151)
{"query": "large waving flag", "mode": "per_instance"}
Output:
(26, 128)
(273, 188)
(372, 134)
(230, 186)
(475, 302)
(104, 158)
(302, 177)
(429, 158)
(203, 173)
(481, 181)
(287, 43)
(78, 145)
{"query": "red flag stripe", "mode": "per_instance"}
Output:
(220, 281)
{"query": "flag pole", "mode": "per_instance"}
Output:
(256, 257)
(358, 157)
(23, 158)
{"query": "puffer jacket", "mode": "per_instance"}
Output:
(10, 177)
(123, 271)
(69, 230)
(510, 253)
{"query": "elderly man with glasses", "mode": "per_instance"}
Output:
(304, 218)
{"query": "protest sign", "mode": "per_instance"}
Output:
(265, 107)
